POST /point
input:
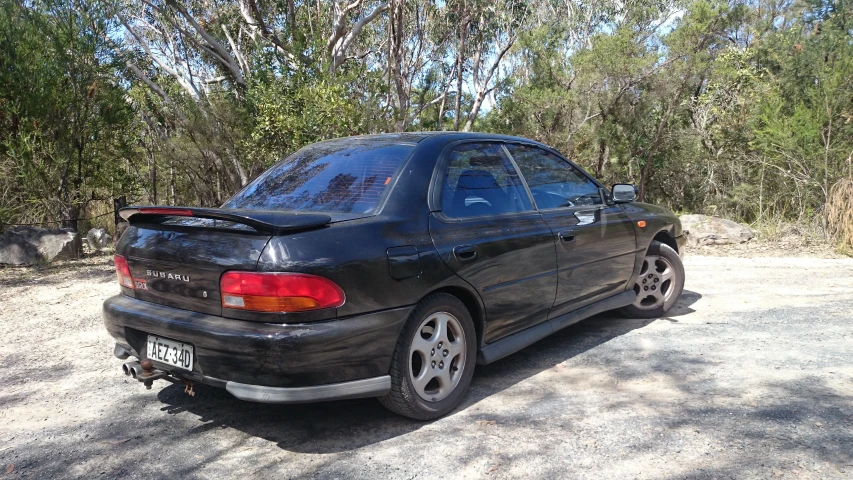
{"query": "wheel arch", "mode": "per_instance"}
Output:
(665, 237)
(472, 303)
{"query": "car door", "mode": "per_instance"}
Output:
(596, 242)
(485, 228)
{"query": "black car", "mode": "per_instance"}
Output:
(384, 266)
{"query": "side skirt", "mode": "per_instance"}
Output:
(517, 341)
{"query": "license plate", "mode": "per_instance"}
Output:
(170, 352)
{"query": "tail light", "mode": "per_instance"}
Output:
(279, 292)
(125, 279)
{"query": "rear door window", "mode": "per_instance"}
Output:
(481, 180)
(336, 178)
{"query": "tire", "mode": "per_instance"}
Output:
(659, 283)
(420, 390)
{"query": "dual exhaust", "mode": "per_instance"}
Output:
(132, 369)
(147, 376)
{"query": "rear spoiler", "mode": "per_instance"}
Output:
(268, 221)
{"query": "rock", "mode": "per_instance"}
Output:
(708, 230)
(13, 251)
(28, 245)
(98, 239)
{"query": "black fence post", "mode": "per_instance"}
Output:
(118, 204)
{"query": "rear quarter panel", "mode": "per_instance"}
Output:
(354, 254)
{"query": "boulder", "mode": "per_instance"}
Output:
(709, 230)
(98, 239)
(29, 245)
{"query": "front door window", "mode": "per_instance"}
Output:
(554, 182)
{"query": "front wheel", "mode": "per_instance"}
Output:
(659, 283)
(434, 359)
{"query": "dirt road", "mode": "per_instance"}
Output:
(750, 377)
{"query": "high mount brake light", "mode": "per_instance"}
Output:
(278, 292)
(175, 212)
(125, 279)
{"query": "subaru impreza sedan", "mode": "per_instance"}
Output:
(384, 266)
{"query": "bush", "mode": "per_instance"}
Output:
(839, 209)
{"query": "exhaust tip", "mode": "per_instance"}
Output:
(130, 369)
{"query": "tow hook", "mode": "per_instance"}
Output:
(188, 387)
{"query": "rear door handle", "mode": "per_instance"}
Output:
(566, 237)
(465, 253)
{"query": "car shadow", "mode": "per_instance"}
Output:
(683, 306)
(346, 425)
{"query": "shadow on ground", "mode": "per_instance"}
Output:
(798, 416)
(88, 269)
(292, 426)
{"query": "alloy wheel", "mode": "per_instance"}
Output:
(437, 356)
(654, 285)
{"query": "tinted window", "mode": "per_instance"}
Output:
(553, 181)
(338, 178)
(480, 180)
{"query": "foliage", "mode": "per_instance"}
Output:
(840, 213)
(65, 128)
(293, 113)
(735, 108)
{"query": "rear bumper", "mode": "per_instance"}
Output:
(277, 363)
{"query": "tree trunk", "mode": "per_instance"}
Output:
(463, 34)
(483, 89)
(826, 174)
(603, 154)
(154, 178)
(70, 216)
(291, 20)
(396, 41)
(440, 120)
(172, 199)
(646, 171)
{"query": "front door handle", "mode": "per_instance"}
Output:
(566, 237)
(465, 253)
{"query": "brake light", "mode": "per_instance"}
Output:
(278, 292)
(125, 279)
(175, 212)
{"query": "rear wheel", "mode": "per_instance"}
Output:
(659, 283)
(434, 359)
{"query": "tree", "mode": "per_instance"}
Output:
(65, 122)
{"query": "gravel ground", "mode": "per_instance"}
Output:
(751, 376)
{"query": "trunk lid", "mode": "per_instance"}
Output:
(177, 255)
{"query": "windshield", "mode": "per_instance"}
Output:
(334, 177)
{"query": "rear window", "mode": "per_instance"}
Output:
(336, 178)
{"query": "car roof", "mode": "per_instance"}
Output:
(416, 137)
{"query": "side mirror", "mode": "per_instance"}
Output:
(624, 193)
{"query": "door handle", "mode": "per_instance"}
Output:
(465, 253)
(566, 237)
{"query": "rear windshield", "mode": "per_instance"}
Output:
(337, 178)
